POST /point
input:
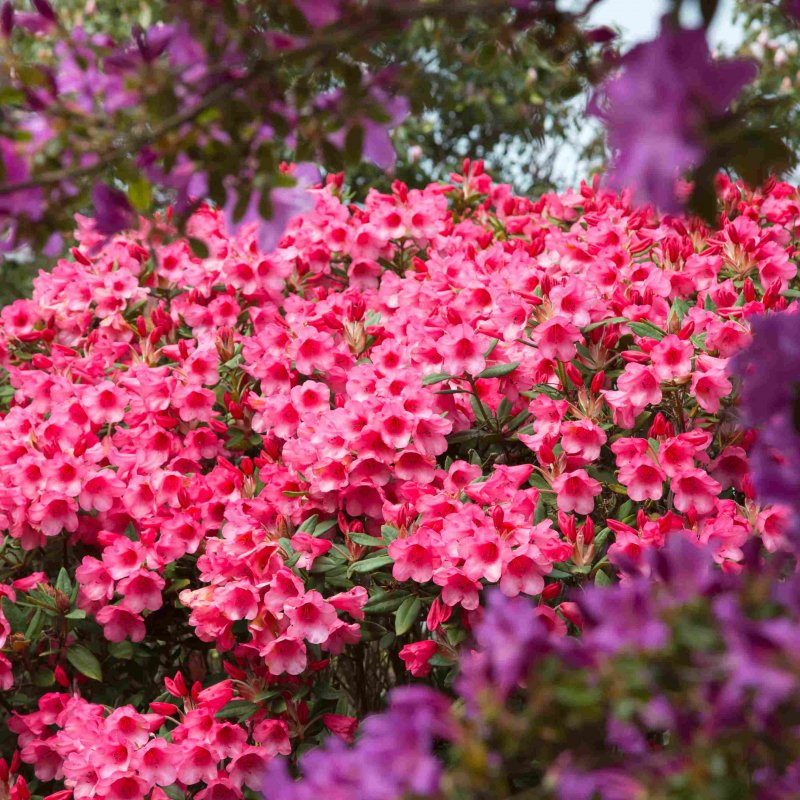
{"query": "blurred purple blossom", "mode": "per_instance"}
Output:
(287, 202)
(112, 210)
(392, 759)
(770, 401)
(657, 108)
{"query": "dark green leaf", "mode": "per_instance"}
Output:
(85, 662)
(406, 615)
(498, 370)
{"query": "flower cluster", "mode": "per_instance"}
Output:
(243, 465)
(692, 680)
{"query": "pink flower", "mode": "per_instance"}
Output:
(157, 762)
(273, 736)
(351, 602)
(127, 787)
(695, 490)
(457, 588)
(575, 491)
(311, 617)
(462, 351)
(672, 357)
(341, 726)
(285, 654)
(417, 655)
(484, 557)
(413, 558)
(141, 590)
(105, 402)
(709, 384)
(639, 385)
(199, 763)
(556, 338)
(524, 573)
(582, 438)
(120, 624)
(643, 478)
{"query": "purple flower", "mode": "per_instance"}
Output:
(507, 642)
(378, 146)
(287, 202)
(320, 13)
(657, 108)
(112, 211)
(392, 759)
(770, 400)
(26, 202)
(600, 784)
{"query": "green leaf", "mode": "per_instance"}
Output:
(498, 370)
(389, 533)
(309, 524)
(63, 582)
(43, 678)
(385, 603)
(199, 247)
(490, 349)
(35, 626)
(238, 710)
(436, 377)
(601, 579)
(140, 193)
(368, 541)
(370, 564)
(122, 650)
(85, 661)
(406, 615)
(611, 321)
(14, 614)
(647, 330)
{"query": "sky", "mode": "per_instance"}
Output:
(639, 19)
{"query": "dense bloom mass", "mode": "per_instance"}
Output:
(252, 477)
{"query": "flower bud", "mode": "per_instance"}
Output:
(598, 381)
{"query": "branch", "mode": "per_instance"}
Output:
(379, 17)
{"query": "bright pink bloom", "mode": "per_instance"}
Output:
(556, 338)
(643, 478)
(695, 490)
(575, 491)
(417, 656)
(462, 351)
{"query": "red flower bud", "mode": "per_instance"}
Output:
(574, 374)
(551, 591)
(571, 613)
(686, 331)
(61, 676)
(167, 709)
(598, 381)
(566, 522)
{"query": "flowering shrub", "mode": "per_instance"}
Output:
(691, 684)
(246, 494)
